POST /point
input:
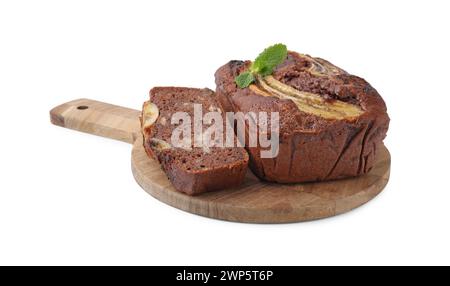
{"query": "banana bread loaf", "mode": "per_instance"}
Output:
(331, 123)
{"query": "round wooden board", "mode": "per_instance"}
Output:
(257, 201)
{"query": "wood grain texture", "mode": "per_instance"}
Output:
(255, 201)
(98, 118)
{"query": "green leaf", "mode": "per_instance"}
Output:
(269, 59)
(244, 79)
(263, 64)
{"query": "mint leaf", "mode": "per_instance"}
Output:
(263, 64)
(244, 79)
(269, 59)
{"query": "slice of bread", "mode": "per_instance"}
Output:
(192, 170)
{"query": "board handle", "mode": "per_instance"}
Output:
(98, 118)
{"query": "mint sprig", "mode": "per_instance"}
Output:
(263, 65)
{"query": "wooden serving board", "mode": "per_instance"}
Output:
(255, 201)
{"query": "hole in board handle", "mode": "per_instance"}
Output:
(82, 107)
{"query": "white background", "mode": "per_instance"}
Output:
(70, 198)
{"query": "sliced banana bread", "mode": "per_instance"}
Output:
(192, 170)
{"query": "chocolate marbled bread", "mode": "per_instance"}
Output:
(331, 123)
(192, 170)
